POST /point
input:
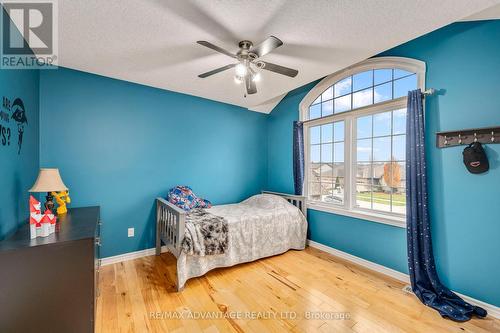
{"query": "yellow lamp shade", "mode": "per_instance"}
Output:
(48, 180)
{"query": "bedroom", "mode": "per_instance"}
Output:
(124, 117)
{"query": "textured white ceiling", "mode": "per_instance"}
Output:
(492, 13)
(153, 42)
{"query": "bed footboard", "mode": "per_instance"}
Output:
(170, 224)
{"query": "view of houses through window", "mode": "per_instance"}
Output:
(380, 161)
(356, 160)
(327, 162)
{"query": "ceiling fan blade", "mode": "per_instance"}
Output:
(279, 69)
(251, 88)
(216, 48)
(217, 70)
(267, 46)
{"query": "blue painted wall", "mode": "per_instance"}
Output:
(119, 145)
(17, 171)
(280, 139)
(462, 60)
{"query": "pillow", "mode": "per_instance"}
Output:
(184, 198)
(266, 201)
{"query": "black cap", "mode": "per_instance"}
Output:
(475, 158)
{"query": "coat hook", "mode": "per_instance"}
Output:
(492, 136)
(475, 137)
(459, 139)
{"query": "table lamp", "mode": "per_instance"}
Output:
(49, 180)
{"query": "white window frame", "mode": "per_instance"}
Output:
(349, 209)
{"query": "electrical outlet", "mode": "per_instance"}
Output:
(131, 232)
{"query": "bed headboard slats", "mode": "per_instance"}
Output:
(298, 201)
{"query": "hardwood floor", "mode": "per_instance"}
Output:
(275, 294)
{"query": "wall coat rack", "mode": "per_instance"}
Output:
(486, 135)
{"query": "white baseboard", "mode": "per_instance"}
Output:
(493, 310)
(362, 262)
(131, 256)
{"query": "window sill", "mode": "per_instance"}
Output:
(395, 221)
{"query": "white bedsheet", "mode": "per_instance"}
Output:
(261, 226)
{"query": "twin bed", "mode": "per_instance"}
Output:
(261, 226)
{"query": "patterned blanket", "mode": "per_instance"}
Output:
(206, 234)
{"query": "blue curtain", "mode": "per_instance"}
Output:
(424, 280)
(298, 157)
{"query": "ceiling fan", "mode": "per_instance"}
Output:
(249, 63)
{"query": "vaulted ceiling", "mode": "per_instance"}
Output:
(153, 42)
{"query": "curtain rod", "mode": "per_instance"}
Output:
(428, 92)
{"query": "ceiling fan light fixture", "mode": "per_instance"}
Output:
(248, 62)
(241, 70)
(256, 77)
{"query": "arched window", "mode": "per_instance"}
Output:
(355, 125)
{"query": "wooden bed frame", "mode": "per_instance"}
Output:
(170, 221)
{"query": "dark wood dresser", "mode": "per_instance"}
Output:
(49, 284)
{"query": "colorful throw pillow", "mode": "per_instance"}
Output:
(184, 198)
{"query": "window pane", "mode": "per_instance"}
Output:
(402, 86)
(364, 196)
(327, 133)
(314, 134)
(338, 152)
(343, 103)
(326, 172)
(342, 87)
(338, 191)
(364, 173)
(382, 149)
(364, 150)
(338, 170)
(362, 80)
(315, 111)
(378, 174)
(381, 200)
(338, 131)
(402, 169)
(314, 173)
(399, 201)
(382, 124)
(317, 100)
(362, 98)
(326, 108)
(364, 127)
(399, 147)
(327, 153)
(328, 94)
(400, 73)
(382, 92)
(314, 191)
(315, 153)
(326, 192)
(399, 121)
(382, 75)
